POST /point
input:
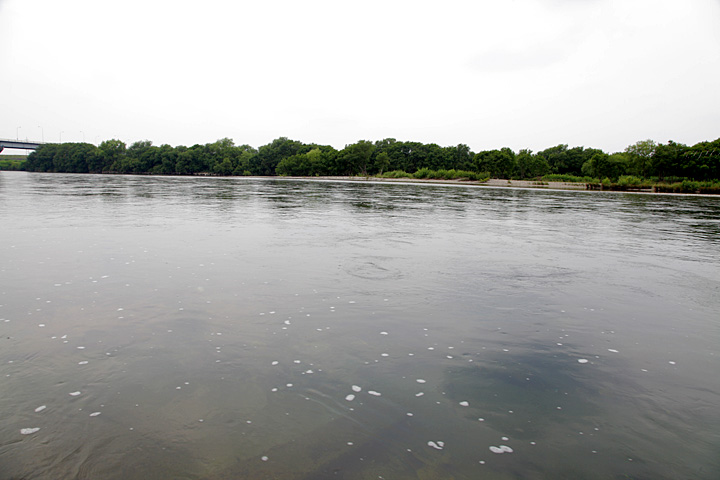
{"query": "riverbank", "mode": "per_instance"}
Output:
(493, 182)
(503, 183)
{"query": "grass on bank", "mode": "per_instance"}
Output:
(12, 162)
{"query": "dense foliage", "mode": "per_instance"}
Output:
(12, 162)
(644, 159)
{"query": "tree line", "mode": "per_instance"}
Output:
(283, 156)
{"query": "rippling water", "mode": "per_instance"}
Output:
(217, 328)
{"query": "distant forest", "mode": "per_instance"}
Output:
(644, 160)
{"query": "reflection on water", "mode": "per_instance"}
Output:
(221, 328)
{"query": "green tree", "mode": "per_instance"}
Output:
(530, 166)
(640, 156)
(110, 151)
(602, 165)
(667, 160)
(382, 162)
(499, 163)
(41, 160)
(356, 157)
(269, 156)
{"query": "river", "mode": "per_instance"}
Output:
(223, 328)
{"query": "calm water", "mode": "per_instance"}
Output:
(214, 328)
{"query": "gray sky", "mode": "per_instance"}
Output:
(515, 73)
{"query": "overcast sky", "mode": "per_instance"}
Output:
(516, 73)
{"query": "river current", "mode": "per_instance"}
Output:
(235, 328)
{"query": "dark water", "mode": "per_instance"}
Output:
(219, 325)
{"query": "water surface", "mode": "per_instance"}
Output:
(221, 328)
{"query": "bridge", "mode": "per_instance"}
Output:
(19, 145)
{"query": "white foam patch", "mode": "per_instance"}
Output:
(40, 408)
(29, 431)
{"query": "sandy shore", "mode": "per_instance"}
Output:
(493, 182)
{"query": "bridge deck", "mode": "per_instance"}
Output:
(17, 144)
